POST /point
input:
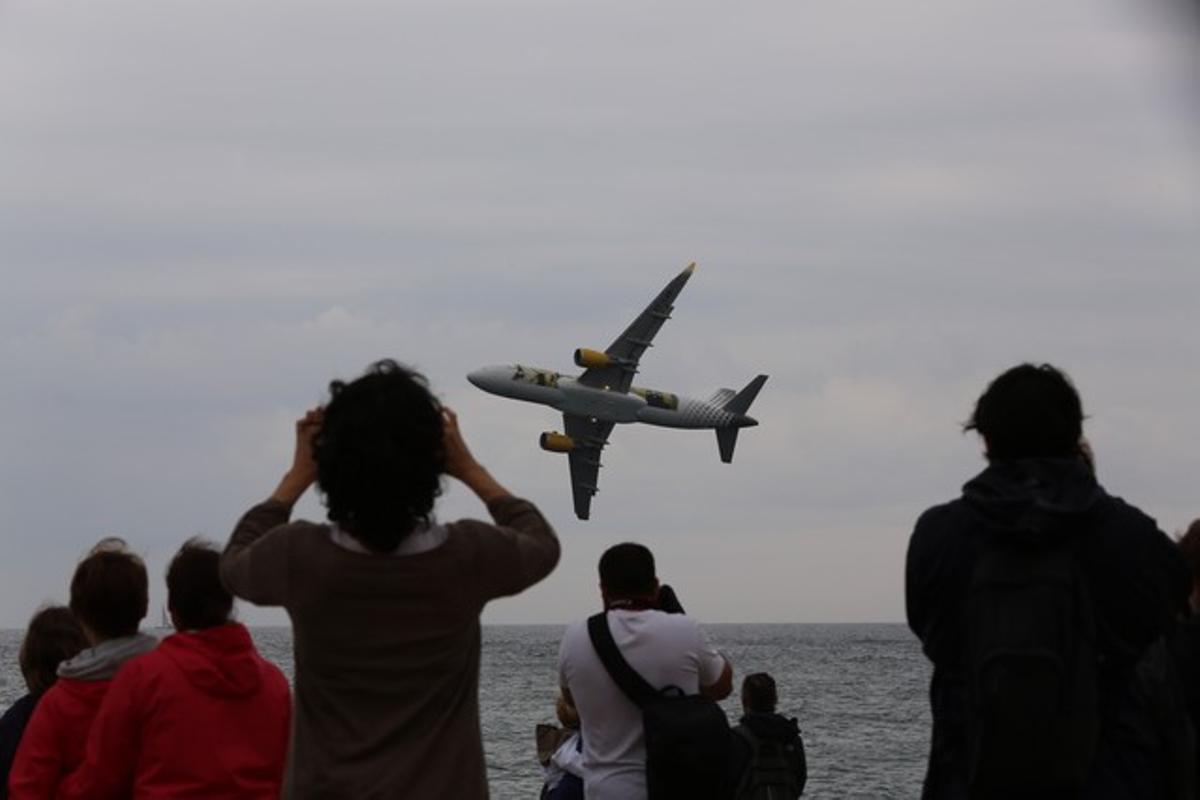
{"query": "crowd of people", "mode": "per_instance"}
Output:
(1060, 622)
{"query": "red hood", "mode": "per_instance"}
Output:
(87, 692)
(220, 661)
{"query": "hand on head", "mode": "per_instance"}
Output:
(461, 464)
(303, 472)
(303, 463)
(459, 461)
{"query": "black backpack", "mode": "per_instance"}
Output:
(687, 736)
(776, 770)
(1031, 666)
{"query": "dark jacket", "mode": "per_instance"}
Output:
(1184, 644)
(12, 726)
(756, 726)
(1138, 583)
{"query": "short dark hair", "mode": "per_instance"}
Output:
(759, 693)
(1189, 545)
(109, 591)
(380, 455)
(194, 591)
(627, 570)
(53, 636)
(1029, 411)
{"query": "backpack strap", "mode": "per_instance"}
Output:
(635, 687)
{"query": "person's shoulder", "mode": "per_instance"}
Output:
(1115, 510)
(19, 712)
(938, 518)
(575, 632)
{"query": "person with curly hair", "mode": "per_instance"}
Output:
(385, 600)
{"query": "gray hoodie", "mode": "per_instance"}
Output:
(100, 663)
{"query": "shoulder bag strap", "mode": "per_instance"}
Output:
(626, 677)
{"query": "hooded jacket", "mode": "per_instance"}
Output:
(53, 742)
(203, 716)
(1137, 579)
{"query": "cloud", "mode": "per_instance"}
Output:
(208, 211)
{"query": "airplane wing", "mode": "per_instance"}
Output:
(589, 437)
(629, 346)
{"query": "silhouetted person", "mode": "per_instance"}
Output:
(384, 600)
(1185, 641)
(1035, 594)
(771, 760)
(665, 649)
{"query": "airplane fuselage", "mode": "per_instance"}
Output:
(565, 393)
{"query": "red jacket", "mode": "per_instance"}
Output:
(202, 716)
(53, 743)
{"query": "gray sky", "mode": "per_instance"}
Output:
(210, 209)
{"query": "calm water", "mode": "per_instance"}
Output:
(859, 692)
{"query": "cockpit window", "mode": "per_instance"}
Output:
(538, 377)
(656, 399)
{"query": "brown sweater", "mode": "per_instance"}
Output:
(386, 646)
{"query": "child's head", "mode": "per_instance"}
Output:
(758, 694)
(53, 636)
(109, 591)
(195, 596)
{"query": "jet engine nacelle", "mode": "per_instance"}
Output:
(591, 359)
(556, 442)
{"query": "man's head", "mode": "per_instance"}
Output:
(627, 575)
(379, 454)
(1189, 545)
(195, 596)
(109, 591)
(758, 694)
(1030, 411)
(53, 636)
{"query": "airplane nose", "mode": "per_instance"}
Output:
(476, 377)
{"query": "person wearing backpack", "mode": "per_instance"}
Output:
(645, 682)
(1035, 595)
(769, 750)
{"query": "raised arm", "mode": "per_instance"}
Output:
(254, 565)
(522, 549)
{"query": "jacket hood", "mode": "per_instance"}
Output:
(772, 727)
(219, 661)
(101, 662)
(1039, 496)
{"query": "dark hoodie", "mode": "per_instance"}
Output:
(203, 715)
(762, 727)
(1138, 583)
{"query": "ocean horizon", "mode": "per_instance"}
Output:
(859, 691)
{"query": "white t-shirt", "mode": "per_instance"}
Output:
(666, 650)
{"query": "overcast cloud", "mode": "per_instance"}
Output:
(210, 209)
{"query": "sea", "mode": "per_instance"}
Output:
(858, 691)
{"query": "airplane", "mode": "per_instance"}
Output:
(603, 396)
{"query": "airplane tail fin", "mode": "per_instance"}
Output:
(738, 404)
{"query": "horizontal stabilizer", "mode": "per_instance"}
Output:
(726, 441)
(740, 403)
